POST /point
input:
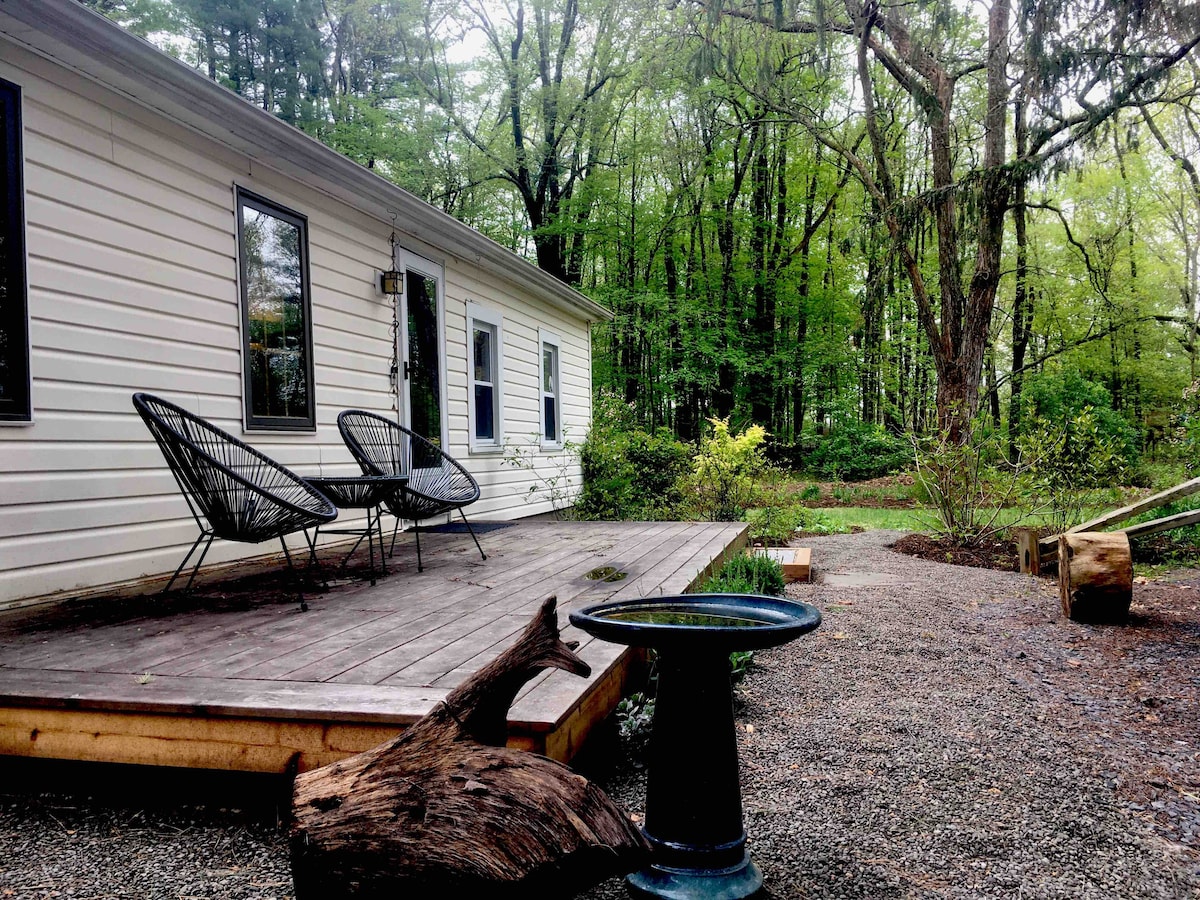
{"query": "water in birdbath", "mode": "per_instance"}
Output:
(683, 618)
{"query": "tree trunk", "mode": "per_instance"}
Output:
(1095, 576)
(445, 809)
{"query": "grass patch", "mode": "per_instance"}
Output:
(870, 518)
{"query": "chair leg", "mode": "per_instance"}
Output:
(196, 568)
(184, 561)
(395, 531)
(417, 532)
(472, 530)
(292, 574)
(313, 562)
(379, 527)
(371, 545)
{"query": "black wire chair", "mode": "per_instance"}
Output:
(233, 491)
(437, 483)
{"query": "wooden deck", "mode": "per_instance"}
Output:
(255, 687)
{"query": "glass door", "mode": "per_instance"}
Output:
(421, 350)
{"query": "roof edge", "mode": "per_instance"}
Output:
(185, 96)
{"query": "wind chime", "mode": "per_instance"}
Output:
(392, 284)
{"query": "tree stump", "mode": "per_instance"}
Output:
(445, 809)
(1095, 576)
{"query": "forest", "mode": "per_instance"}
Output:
(859, 217)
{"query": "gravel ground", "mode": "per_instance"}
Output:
(908, 749)
(927, 741)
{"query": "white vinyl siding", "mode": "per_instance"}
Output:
(133, 285)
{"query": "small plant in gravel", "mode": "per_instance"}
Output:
(635, 716)
(739, 662)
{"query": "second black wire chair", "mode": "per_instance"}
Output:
(437, 483)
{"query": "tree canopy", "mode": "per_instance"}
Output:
(803, 215)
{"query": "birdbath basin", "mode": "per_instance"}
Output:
(693, 797)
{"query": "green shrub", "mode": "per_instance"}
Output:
(966, 484)
(1056, 399)
(630, 474)
(1067, 463)
(855, 451)
(774, 526)
(725, 471)
(747, 574)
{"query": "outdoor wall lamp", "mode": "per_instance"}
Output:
(391, 282)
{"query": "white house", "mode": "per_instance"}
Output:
(153, 222)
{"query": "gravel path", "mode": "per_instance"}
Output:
(905, 749)
(899, 751)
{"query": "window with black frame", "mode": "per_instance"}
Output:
(276, 315)
(15, 395)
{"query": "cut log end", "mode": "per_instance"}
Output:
(1095, 576)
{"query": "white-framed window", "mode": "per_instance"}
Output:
(485, 378)
(549, 370)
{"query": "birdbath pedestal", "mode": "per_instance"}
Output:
(693, 796)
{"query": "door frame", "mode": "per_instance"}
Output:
(406, 261)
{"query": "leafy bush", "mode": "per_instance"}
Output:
(747, 574)
(967, 485)
(1056, 399)
(774, 525)
(723, 482)
(630, 473)
(1065, 463)
(856, 451)
(1185, 433)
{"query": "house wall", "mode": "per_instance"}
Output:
(132, 269)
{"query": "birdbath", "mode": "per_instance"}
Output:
(693, 798)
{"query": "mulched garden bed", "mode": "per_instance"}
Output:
(994, 554)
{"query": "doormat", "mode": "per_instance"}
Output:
(460, 528)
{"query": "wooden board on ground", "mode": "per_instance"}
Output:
(796, 561)
(1048, 546)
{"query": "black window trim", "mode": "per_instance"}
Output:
(275, 423)
(20, 411)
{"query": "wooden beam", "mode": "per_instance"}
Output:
(1166, 523)
(1120, 515)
